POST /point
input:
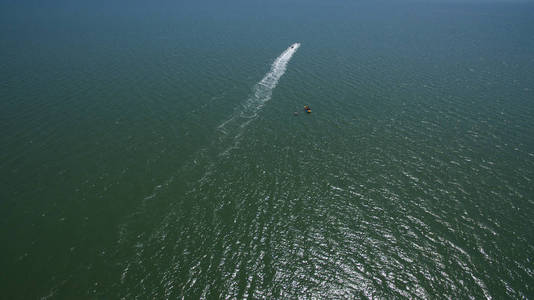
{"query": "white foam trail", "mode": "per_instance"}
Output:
(233, 129)
(263, 90)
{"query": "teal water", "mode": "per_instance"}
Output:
(151, 150)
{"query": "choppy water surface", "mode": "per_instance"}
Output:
(153, 151)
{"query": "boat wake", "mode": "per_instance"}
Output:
(261, 93)
(204, 165)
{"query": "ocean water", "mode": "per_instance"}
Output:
(151, 150)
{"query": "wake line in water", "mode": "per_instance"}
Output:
(232, 128)
(263, 90)
(235, 125)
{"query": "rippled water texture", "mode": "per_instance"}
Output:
(154, 151)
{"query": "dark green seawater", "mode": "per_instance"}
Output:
(149, 150)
